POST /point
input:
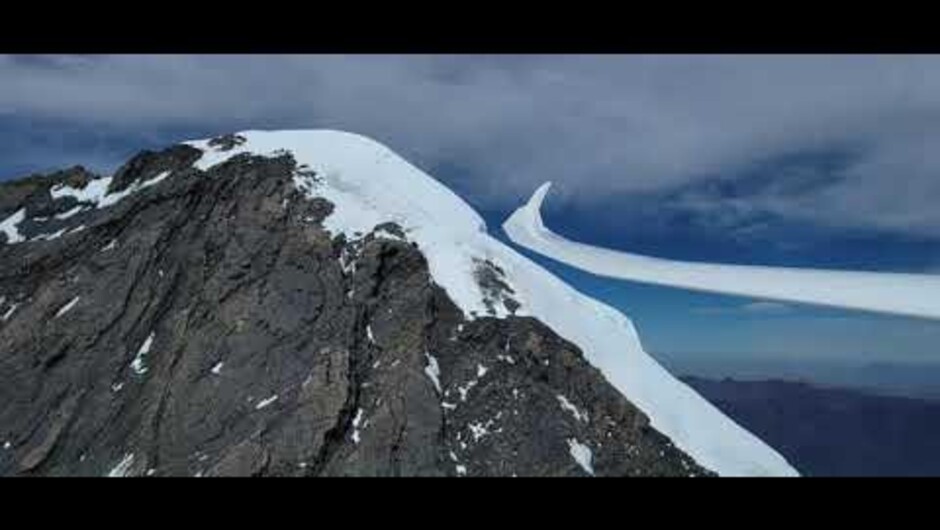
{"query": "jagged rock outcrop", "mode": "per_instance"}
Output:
(207, 324)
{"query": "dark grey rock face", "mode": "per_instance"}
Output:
(209, 325)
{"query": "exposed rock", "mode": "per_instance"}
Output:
(227, 142)
(219, 329)
(148, 164)
(495, 291)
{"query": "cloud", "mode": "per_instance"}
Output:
(765, 307)
(759, 307)
(594, 125)
(713, 310)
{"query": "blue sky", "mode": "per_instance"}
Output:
(784, 160)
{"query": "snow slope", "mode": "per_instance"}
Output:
(902, 294)
(369, 185)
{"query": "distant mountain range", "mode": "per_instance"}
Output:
(833, 432)
(902, 379)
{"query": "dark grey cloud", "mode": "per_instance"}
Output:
(595, 125)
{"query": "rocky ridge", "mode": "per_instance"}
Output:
(207, 324)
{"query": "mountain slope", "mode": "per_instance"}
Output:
(306, 302)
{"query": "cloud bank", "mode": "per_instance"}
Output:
(594, 125)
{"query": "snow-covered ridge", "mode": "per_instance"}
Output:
(370, 185)
(902, 294)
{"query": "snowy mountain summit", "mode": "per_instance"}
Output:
(309, 303)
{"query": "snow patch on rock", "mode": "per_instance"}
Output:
(138, 365)
(433, 371)
(9, 312)
(575, 411)
(67, 307)
(123, 467)
(265, 402)
(355, 424)
(582, 455)
(10, 226)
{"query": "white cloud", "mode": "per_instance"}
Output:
(757, 307)
(766, 307)
(595, 125)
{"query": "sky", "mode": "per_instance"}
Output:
(815, 160)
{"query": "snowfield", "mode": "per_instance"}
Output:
(370, 185)
(915, 295)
